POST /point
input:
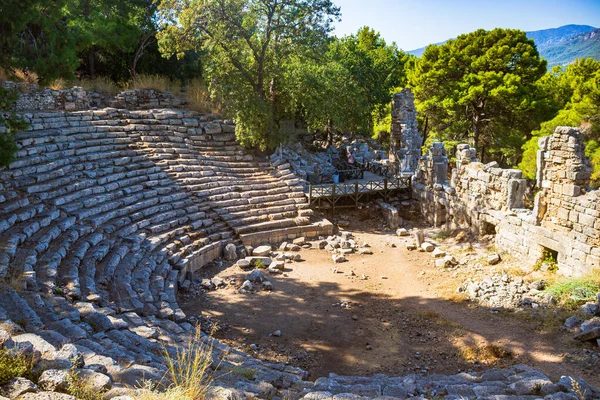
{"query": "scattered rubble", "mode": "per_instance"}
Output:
(506, 291)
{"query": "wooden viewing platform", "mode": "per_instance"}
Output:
(377, 181)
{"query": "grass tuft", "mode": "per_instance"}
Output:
(155, 82)
(199, 98)
(14, 364)
(100, 84)
(81, 389)
(484, 353)
(189, 373)
(22, 75)
(571, 293)
(59, 84)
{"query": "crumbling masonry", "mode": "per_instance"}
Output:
(405, 141)
(490, 200)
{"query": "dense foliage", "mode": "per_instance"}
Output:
(10, 123)
(481, 87)
(576, 99)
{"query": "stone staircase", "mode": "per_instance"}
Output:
(103, 212)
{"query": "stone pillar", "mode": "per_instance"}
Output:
(405, 140)
(439, 163)
(563, 169)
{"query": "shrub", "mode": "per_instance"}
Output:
(12, 123)
(572, 292)
(13, 365)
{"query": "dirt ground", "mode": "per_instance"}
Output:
(401, 319)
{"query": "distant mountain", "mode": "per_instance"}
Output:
(560, 46)
(585, 45)
(552, 37)
(419, 52)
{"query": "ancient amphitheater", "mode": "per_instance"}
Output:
(103, 214)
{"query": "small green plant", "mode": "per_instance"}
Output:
(572, 292)
(81, 389)
(547, 262)
(259, 264)
(14, 364)
(248, 373)
(443, 234)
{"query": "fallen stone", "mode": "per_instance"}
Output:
(493, 259)
(244, 263)
(428, 247)
(365, 250)
(338, 258)
(283, 246)
(299, 241)
(322, 244)
(438, 253)
(268, 286)
(277, 333)
(262, 251)
(247, 285)
(411, 246)
(54, 380)
(590, 309)
(207, 284)
(402, 232)
(17, 387)
(573, 322)
(442, 263)
(230, 252)
(419, 238)
(256, 276)
(278, 265)
(591, 334)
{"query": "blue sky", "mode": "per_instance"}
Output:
(417, 23)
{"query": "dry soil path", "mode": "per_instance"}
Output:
(395, 321)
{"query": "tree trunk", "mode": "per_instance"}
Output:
(91, 67)
(274, 108)
(329, 132)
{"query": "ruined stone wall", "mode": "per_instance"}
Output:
(490, 200)
(33, 98)
(405, 140)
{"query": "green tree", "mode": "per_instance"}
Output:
(376, 67)
(481, 87)
(34, 35)
(248, 45)
(10, 122)
(576, 92)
